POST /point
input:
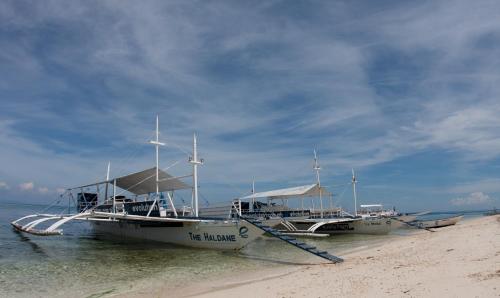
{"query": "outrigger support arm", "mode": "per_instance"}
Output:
(52, 230)
(34, 223)
(24, 217)
(59, 223)
(89, 215)
(313, 228)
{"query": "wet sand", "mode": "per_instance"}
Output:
(457, 261)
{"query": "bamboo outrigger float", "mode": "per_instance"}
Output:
(145, 209)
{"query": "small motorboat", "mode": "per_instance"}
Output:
(437, 223)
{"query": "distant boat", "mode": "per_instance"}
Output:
(493, 211)
(399, 220)
(437, 223)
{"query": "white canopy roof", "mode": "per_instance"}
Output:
(286, 193)
(371, 206)
(145, 182)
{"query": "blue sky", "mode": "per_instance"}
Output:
(407, 93)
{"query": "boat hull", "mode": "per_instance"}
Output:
(225, 235)
(439, 223)
(369, 226)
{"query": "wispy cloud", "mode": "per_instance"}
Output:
(4, 185)
(27, 186)
(490, 185)
(43, 190)
(261, 84)
(475, 198)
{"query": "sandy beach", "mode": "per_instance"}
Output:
(456, 261)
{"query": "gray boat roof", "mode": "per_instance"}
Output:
(310, 190)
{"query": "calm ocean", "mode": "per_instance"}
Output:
(81, 264)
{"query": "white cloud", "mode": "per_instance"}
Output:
(43, 190)
(490, 185)
(475, 198)
(473, 131)
(162, 57)
(4, 185)
(27, 186)
(60, 190)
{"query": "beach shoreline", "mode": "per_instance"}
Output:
(456, 261)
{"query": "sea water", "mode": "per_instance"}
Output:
(443, 214)
(83, 264)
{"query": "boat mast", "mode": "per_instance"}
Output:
(195, 162)
(157, 144)
(316, 167)
(253, 192)
(107, 182)
(354, 181)
(114, 196)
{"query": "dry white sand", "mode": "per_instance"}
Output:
(456, 261)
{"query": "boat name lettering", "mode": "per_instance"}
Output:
(211, 237)
(143, 208)
(196, 237)
(243, 232)
(108, 210)
(339, 227)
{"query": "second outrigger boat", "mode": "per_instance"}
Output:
(310, 222)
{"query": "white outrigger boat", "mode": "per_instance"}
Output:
(330, 223)
(142, 216)
(309, 222)
(145, 209)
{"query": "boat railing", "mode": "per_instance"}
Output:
(223, 211)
